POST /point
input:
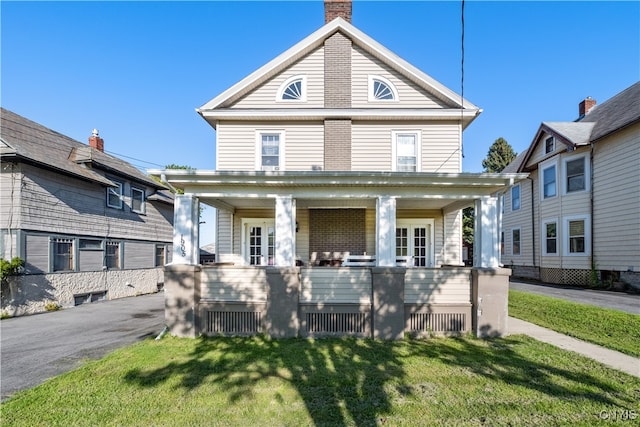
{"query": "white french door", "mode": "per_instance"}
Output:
(258, 241)
(414, 242)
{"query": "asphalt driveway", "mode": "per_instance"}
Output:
(36, 348)
(608, 299)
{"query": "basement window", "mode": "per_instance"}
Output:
(89, 297)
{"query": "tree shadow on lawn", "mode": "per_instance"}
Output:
(354, 381)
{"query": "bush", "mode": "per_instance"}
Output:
(10, 268)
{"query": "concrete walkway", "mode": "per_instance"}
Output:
(611, 358)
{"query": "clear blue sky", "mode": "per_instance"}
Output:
(137, 70)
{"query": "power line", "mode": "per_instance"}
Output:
(462, 80)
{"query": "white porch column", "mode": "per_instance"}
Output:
(285, 231)
(386, 231)
(486, 251)
(186, 228)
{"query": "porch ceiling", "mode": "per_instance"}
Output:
(323, 189)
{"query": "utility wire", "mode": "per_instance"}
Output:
(462, 80)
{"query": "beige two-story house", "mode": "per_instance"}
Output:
(88, 225)
(575, 219)
(339, 177)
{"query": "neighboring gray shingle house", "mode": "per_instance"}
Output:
(90, 226)
(575, 219)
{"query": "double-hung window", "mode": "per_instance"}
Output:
(137, 200)
(576, 236)
(549, 187)
(575, 170)
(515, 241)
(114, 195)
(515, 197)
(406, 151)
(550, 238)
(62, 253)
(549, 145)
(270, 150)
(112, 255)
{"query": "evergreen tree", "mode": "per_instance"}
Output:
(499, 156)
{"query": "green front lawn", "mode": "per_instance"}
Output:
(331, 382)
(613, 329)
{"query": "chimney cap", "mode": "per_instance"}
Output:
(94, 132)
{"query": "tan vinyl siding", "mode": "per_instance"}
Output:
(302, 235)
(438, 232)
(372, 145)
(234, 284)
(335, 285)
(617, 201)
(411, 96)
(370, 230)
(434, 286)
(452, 249)
(224, 227)
(521, 219)
(539, 155)
(236, 144)
(311, 66)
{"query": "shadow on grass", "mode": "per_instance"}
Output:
(348, 381)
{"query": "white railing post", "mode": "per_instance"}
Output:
(386, 231)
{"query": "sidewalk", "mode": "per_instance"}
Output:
(614, 359)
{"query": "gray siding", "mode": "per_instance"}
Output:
(139, 255)
(36, 254)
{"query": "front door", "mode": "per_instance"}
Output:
(259, 242)
(414, 242)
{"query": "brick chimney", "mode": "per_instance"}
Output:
(337, 8)
(95, 141)
(585, 106)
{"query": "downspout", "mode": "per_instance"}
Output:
(591, 210)
(533, 223)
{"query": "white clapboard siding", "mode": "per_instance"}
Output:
(335, 285)
(234, 284)
(452, 251)
(519, 218)
(617, 200)
(311, 66)
(437, 286)
(304, 147)
(411, 96)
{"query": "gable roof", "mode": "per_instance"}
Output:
(602, 120)
(315, 40)
(28, 141)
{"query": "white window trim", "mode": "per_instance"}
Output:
(281, 153)
(421, 222)
(247, 222)
(143, 206)
(120, 193)
(543, 237)
(587, 176)
(519, 198)
(394, 148)
(542, 168)
(587, 235)
(391, 86)
(286, 83)
(512, 245)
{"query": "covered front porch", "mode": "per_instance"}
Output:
(374, 254)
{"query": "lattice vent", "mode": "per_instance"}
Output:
(338, 323)
(437, 322)
(565, 276)
(234, 322)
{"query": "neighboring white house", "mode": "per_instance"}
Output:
(337, 153)
(576, 218)
(88, 225)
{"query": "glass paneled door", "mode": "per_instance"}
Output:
(414, 243)
(259, 242)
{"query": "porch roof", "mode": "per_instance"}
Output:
(232, 190)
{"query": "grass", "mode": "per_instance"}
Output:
(613, 329)
(331, 382)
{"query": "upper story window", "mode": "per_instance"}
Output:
(549, 182)
(137, 200)
(293, 89)
(575, 175)
(406, 151)
(270, 150)
(114, 195)
(381, 89)
(515, 197)
(549, 145)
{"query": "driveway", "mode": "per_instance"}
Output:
(607, 299)
(35, 348)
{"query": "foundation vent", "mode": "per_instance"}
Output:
(234, 322)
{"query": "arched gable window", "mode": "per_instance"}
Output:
(293, 89)
(381, 89)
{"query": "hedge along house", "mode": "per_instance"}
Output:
(338, 190)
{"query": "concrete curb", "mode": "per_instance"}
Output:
(611, 358)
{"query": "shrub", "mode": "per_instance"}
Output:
(10, 268)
